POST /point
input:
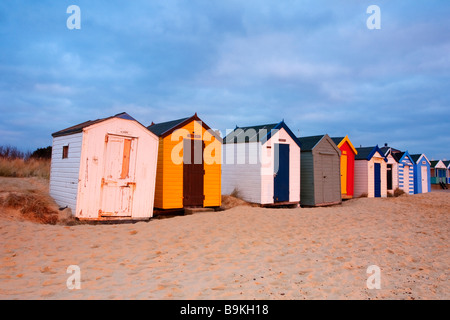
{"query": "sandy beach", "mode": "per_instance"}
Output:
(240, 253)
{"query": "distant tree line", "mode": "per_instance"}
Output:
(10, 152)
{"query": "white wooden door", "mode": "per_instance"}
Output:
(424, 175)
(406, 179)
(118, 182)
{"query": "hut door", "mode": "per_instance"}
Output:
(281, 173)
(406, 179)
(193, 173)
(424, 175)
(118, 182)
(329, 185)
(389, 176)
(344, 173)
(377, 179)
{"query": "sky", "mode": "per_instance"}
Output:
(314, 64)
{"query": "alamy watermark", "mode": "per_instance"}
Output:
(374, 280)
(74, 280)
(374, 21)
(74, 20)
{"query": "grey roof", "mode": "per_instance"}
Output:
(415, 157)
(364, 153)
(434, 163)
(160, 128)
(249, 134)
(79, 127)
(337, 140)
(398, 155)
(385, 150)
(308, 143)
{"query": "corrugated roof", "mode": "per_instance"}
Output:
(308, 143)
(79, 127)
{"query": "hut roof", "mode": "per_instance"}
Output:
(259, 133)
(79, 127)
(308, 143)
(366, 153)
(163, 129)
(339, 141)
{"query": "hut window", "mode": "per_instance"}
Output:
(65, 152)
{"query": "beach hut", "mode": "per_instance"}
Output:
(422, 182)
(189, 164)
(391, 168)
(320, 171)
(405, 171)
(370, 172)
(348, 153)
(447, 164)
(262, 164)
(438, 172)
(105, 169)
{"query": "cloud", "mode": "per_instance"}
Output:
(234, 62)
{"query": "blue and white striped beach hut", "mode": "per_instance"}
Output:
(405, 172)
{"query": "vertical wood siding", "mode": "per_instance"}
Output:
(307, 179)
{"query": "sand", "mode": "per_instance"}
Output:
(241, 253)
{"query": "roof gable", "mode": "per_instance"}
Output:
(310, 143)
(79, 127)
(437, 164)
(416, 158)
(446, 163)
(367, 153)
(341, 141)
(163, 129)
(403, 156)
(260, 133)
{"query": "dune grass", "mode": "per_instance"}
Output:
(21, 168)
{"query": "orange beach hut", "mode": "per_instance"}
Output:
(189, 164)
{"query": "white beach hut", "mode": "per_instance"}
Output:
(263, 164)
(105, 169)
(370, 173)
(391, 168)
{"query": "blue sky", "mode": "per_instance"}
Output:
(314, 64)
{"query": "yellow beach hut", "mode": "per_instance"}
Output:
(189, 164)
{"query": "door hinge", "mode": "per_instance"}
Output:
(106, 138)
